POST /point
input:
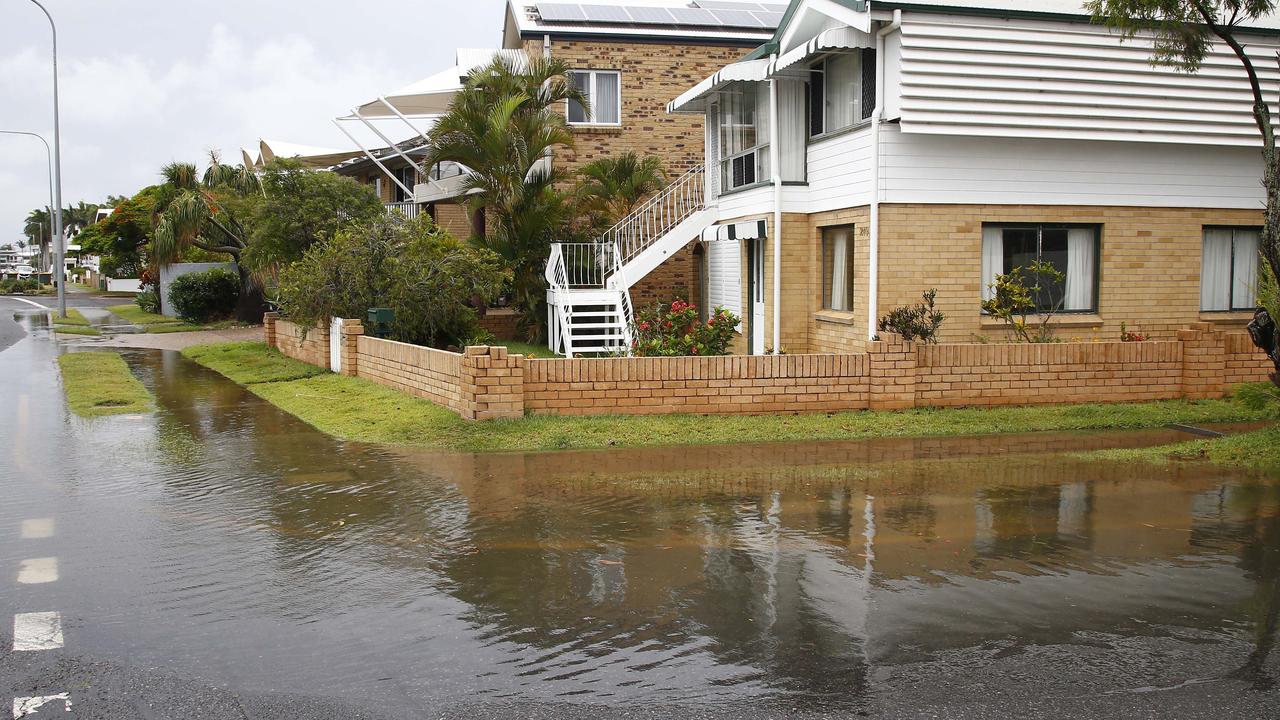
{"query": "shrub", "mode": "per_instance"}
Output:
(919, 322)
(149, 301)
(1127, 335)
(675, 330)
(19, 286)
(204, 296)
(426, 276)
(1013, 300)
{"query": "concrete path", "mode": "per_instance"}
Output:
(178, 340)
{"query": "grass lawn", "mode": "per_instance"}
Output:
(76, 330)
(73, 317)
(1257, 450)
(356, 409)
(99, 383)
(515, 347)
(138, 316)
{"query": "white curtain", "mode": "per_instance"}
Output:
(1215, 270)
(1081, 262)
(604, 106)
(841, 85)
(791, 130)
(1244, 280)
(839, 270)
(992, 258)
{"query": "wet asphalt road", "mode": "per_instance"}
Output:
(222, 560)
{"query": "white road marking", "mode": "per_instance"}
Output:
(38, 570)
(37, 631)
(27, 706)
(37, 528)
(30, 302)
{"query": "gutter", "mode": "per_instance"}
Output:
(877, 117)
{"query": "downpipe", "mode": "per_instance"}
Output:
(877, 117)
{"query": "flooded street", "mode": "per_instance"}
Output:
(219, 558)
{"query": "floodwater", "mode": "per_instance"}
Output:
(221, 539)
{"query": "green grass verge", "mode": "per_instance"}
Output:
(99, 383)
(175, 327)
(515, 347)
(356, 409)
(1257, 450)
(250, 363)
(138, 316)
(73, 317)
(76, 330)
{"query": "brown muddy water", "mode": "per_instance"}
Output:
(223, 539)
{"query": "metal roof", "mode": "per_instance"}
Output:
(704, 20)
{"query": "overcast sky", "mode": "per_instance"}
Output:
(144, 82)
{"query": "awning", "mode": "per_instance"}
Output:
(432, 95)
(309, 155)
(746, 230)
(745, 71)
(841, 38)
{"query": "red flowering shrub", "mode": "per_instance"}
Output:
(674, 330)
(1126, 335)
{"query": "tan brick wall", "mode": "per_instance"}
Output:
(491, 383)
(419, 371)
(1149, 271)
(1041, 374)
(454, 219)
(675, 278)
(758, 384)
(311, 346)
(1244, 363)
(501, 322)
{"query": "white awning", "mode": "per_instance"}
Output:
(841, 38)
(432, 95)
(746, 230)
(310, 155)
(745, 71)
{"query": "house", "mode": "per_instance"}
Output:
(870, 151)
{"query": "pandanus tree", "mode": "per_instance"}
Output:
(204, 211)
(1183, 33)
(503, 127)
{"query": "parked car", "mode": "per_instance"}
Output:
(24, 271)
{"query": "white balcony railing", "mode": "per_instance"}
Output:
(409, 209)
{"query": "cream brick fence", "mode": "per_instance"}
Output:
(484, 383)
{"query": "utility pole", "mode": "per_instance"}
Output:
(59, 242)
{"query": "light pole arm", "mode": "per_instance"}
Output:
(48, 155)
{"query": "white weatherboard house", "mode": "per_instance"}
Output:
(871, 151)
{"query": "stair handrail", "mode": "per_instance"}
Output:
(618, 280)
(557, 277)
(659, 214)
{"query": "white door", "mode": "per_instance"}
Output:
(335, 345)
(757, 296)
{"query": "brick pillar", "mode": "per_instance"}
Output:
(351, 332)
(492, 384)
(1204, 362)
(892, 365)
(269, 328)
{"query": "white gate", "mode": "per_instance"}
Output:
(335, 345)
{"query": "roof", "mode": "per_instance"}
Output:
(704, 21)
(1024, 8)
(433, 94)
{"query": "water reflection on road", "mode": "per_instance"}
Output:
(222, 538)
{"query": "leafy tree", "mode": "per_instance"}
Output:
(209, 212)
(426, 276)
(1184, 32)
(610, 188)
(1034, 291)
(300, 208)
(121, 238)
(503, 127)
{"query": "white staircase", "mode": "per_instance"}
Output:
(588, 295)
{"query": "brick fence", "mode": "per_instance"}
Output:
(486, 382)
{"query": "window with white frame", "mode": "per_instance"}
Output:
(1229, 269)
(837, 268)
(744, 136)
(408, 177)
(842, 91)
(1072, 250)
(603, 91)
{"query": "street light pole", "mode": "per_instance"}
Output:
(48, 155)
(60, 275)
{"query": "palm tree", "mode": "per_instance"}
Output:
(39, 227)
(611, 187)
(196, 211)
(503, 127)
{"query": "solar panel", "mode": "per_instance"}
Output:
(770, 19)
(559, 12)
(650, 15)
(606, 13)
(770, 7)
(693, 16)
(737, 18)
(728, 5)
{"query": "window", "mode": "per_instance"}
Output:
(842, 91)
(743, 135)
(408, 177)
(837, 268)
(603, 91)
(1229, 270)
(1071, 249)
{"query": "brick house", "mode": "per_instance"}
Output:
(870, 151)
